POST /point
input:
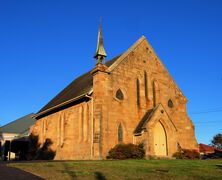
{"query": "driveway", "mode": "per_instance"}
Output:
(10, 173)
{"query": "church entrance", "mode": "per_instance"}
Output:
(160, 140)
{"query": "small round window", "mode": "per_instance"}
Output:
(119, 94)
(170, 103)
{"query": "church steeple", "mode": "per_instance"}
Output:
(100, 51)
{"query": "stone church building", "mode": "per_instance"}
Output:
(129, 99)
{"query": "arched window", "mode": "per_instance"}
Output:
(138, 91)
(154, 93)
(170, 103)
(119, 94)
(120, 133)
(146, 85)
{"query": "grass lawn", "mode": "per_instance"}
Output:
(125, 169)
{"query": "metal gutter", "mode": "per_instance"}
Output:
(61, 104)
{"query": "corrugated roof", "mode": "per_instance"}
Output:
(20, 125)
(79, 86)
(143, 121)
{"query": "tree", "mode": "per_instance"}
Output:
(217, 141)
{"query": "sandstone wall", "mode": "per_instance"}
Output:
(140, 61)
(90, 129)
(69, 131)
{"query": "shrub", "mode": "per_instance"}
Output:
(34, 146)
(127, 151)
(187, 154)
(191, 154)
(179, 155)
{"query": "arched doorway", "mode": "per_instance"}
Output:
(160, 140)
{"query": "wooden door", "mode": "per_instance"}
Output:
(160, 140)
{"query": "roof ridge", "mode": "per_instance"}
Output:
(126, 53)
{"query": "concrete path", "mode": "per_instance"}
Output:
(10, 173)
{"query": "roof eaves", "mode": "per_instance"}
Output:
(142, 128)
(12, 122)
(61, 104)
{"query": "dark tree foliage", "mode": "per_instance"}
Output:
(37, 152)
(34, 146)
(187, 154)
(217, 141)
(127, 151)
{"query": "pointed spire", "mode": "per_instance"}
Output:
(100, 51)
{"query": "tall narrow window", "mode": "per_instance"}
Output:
(138, 92)
(146, 85)
(120, 133)
(156, 93)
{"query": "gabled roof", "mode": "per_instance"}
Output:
(142, 124)
(83, 84)
(206, 148)
(148, 117)
(20, 125)
(80, 86)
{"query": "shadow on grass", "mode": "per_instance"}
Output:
(162, 170)
(99, 176)
(71, 173)
(219, 166)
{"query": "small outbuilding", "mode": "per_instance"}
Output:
(14, 137)
(209, 151)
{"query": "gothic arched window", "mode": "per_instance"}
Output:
(138, 91)
(154, 93)
(170, 103)
(119, 94)
(146, 85)
(120, 133)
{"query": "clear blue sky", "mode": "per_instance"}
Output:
(44, 45)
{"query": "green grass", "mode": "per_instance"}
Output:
(126, 169)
